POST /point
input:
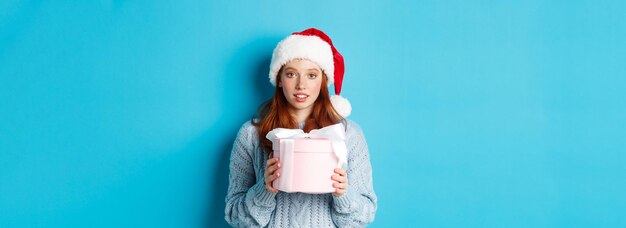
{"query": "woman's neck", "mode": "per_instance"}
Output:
(301, 114)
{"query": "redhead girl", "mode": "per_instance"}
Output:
(303, 66)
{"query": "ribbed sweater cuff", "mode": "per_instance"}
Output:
(263, 197)
(343, 202)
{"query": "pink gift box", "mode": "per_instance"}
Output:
(306, 165)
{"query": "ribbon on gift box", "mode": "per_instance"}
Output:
(335, 133)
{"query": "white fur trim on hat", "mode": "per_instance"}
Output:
(311, 48)
(341, 105)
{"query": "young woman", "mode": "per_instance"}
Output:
(303, 66)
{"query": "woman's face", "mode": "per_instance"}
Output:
(301, 81)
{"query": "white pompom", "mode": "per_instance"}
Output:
(341, 105)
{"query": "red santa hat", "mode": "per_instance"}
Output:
(313, 45)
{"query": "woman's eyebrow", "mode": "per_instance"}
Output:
(310, 69)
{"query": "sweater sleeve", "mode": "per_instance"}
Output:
(357, 207)
(248, 203)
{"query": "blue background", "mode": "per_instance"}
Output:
(477, 113)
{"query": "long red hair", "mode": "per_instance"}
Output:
(274, 113)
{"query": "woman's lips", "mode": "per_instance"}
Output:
(300, 97)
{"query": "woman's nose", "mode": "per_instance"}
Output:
(301, 83)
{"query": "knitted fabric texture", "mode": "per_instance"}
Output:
(249, 204)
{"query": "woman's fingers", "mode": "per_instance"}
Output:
(271, 161)
(340, 171)
(270, 188)
(272, 177)
(339, 192)
(340, 176)
(270, 173)
(269, 170)
(272, 165)
(341, 183)
(339, 179)
(340, 189)
(268, 182)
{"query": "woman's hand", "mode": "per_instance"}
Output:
(341, 182)
(270, 173)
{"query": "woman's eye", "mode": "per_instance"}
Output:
(290, 75)
(312, 76)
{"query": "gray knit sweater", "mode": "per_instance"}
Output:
(249, 204)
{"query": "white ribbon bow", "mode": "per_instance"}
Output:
(335, 133)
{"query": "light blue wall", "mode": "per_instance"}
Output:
(477, 113)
